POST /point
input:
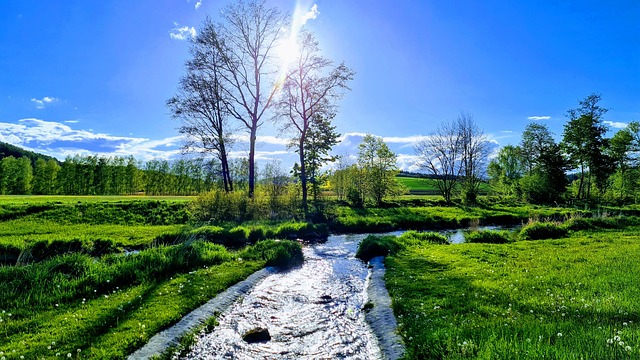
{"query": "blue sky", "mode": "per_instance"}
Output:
(93, 76)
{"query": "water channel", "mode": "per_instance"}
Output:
(313, 311)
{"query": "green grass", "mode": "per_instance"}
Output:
(555, 299)
(426, 186)
(399, 216)
(107, 308)
(79, 295)
(73, 199)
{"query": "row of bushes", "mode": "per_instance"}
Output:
(71, 277)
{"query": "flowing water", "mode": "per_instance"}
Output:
(311, 312)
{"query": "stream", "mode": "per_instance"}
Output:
(312, 311)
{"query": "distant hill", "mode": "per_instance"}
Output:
(7, 150)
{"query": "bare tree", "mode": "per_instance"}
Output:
(250, 32)
(440, 156)
(455, 153)
(473, 155)
(310, 89)
(200, 103)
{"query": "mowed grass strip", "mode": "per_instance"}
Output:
(554, 299)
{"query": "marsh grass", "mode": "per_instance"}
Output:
(558, 299)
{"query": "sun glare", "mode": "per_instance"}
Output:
(287, 51)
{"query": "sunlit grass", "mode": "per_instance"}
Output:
(554, 299)
(110, 306)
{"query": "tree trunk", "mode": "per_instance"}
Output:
(303, 176)
(252, 154)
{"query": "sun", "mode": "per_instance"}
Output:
(288, 50)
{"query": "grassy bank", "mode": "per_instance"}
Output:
(77, 293)
(106, 308)
(570, 298)
(420, 215)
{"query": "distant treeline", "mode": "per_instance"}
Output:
(93, 175)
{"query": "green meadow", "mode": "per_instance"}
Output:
(96, 277)
(575, 297)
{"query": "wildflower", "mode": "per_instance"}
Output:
(609, 341)
(69, 355)
(627, 348)
(559, 334)
(616, 338)
(625, 324)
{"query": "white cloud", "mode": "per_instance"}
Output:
(535, 118)
(182, 33)
(616, 124)
(507, 131)
(60, 140)
(310, 15)
(72, 121)
(198, 4)
(41, 103)
(264, 139)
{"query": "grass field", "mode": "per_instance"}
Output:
(426, 186)
(76, 294)
(572, 298)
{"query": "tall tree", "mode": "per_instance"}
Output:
(474, 152)
(506, 169)
(378, 165)
(320, 139)
(311, 86)
(584, 142)
(535, 139)
(249, 34)
(201, 105)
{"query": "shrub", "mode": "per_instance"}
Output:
(413, 237)
(487, 236)
(542, 230)
(373, 246)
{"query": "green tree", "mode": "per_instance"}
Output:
(535, 139)
(318, 142)
(506, 170)
(40, 178)
(584, 142)
(17, 175)
(378, 166)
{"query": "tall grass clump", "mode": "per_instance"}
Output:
(542, 230)
(373, 246)
(281, 254)
(487, 237)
